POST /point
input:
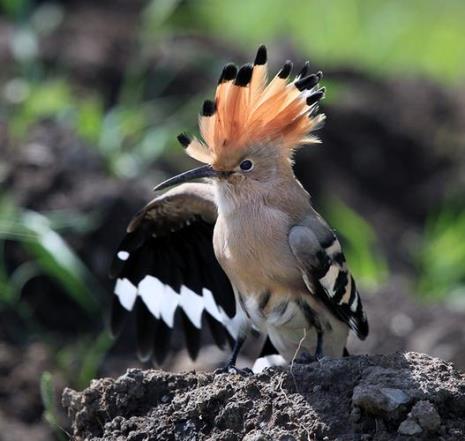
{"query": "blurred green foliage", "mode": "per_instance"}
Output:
(14, 8)
(47, 393)
(129, 142)
(395, 36)
(123, 135)
(79, 361)
(441, 256)
(54, 99)
(49, 254)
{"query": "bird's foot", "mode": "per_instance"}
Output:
(305, 358)
(232, 369)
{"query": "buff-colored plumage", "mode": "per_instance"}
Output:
(249, 111)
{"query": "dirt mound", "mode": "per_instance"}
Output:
(381, 397)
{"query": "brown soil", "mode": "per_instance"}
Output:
(381, 397)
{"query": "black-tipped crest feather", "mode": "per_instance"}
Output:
(307, 82)
(261, 57)
(285, 70)
(208, 108)
(229, 73)
(184, 140)
(315, 97)
(244, 75)
(303, 72)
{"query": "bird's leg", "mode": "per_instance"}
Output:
(319, 345)
(231, 364)
(306, 358)
(236, 349)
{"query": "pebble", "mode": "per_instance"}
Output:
(379, 400)
(409, 427)
(427, 416)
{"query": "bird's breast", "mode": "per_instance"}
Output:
(252, 247)
(254, 252)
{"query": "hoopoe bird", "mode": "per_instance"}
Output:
(244, 251)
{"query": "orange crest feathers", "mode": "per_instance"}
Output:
(248, 111)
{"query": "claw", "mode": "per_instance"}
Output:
(228, 369)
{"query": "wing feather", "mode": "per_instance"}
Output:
(167, 272)
(325, 272)
(145, 330)
(161, 341)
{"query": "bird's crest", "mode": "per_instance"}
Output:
(248, 110)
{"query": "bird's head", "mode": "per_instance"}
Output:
(252, 127)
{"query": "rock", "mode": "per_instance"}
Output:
(358, 397)
(422, 417)
(427, 416)
(378, 401)
(409, 427)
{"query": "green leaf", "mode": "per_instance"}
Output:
(47, 393)
(92, 358)
(59, 261)
(52, 254)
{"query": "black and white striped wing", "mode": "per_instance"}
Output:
(325, 272)
(166, 270)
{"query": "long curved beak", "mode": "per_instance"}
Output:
(206, 171)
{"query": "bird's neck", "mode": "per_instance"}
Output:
(286, 195)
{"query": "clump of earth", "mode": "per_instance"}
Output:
(381, 397)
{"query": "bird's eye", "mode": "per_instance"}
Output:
(246, 165)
